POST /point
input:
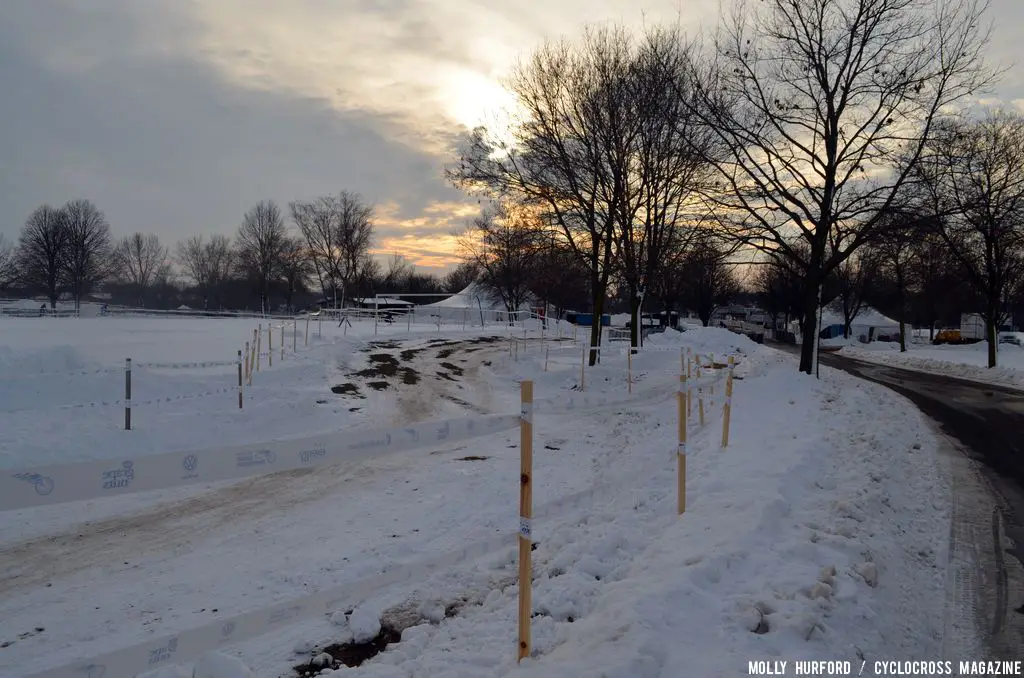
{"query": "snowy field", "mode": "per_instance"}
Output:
(965, 362)
(813, 535)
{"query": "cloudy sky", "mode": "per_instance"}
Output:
(175, 116)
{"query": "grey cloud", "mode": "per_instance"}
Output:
(164, 145)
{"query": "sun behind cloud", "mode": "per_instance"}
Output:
(430, 240)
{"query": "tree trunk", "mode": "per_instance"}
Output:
(990, 330)
(595, 330)
(635, 322)
(809, 327)
(903, 336)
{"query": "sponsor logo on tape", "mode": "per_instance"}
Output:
(164, 653)
(119, 478)
(255, 458)
(191, 464)
(444, 432)
(43, 484)
(307, 456)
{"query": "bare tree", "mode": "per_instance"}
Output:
(296, 268)
(209, 264)
(43, 252)
(570, 151)
(974, 174)
(398, 274)
(560, 277)
(8, 265)
(937, 275)
(138, 261)
(88, 247)
(825, 107)
(504, 242)
(851, 284)
(708, 277)
(339, 233)
(669, 164)
(259, 247)
(461, 277)
(892, 256)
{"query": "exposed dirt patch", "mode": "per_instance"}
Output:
(348, 388)
(445, 375)
(472, 457)
(410, 376)
(352, 654)
(410, 353)
(382, 365)
(378, 385)
(454, 369)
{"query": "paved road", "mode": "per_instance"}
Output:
(988, 423)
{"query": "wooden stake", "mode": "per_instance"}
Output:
(546, 352)
(127, 394)
(282, 342)
(295, 336)
(700, 398)
(629, 369)
(239, 379)
(307, 331)
(681, 444)
(689, 374)
(259, 346)
(246, 373)
(270, 346)
(727, 408)
(583, 370)
(525, 516)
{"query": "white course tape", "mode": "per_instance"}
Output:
(126, 403)
(47, 485)
(186, 366)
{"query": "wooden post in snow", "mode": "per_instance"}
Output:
(525, 516)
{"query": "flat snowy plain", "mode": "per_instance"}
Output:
(820, 532)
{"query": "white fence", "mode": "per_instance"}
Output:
(48, 485)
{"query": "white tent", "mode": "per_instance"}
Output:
(474, 305)
(867, 325)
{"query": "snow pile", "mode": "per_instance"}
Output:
(965, 361)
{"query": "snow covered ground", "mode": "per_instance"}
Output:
(813, 535)
(966, 362)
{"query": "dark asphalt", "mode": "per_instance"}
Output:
(988, 422)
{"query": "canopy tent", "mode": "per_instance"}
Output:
(475, 305)
(868, 325)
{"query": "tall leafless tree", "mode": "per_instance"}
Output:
(569, 153)
(259, 247)
(462, 276)
(825, 106)
(8, 267)
(669, 165)
(851, 278)
(974, 175)
(505, 242)
(209, 264)
(708, 278)
(296, 268)
(891, 257)
(138, 262)
(43, 252)
(88, 248)
(339, 233)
